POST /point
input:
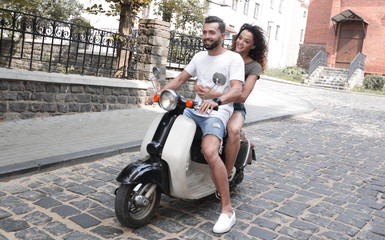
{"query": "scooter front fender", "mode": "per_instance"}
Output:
(152, 170)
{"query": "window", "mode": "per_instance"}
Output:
(301, 36)
(246, 8)
(277, 32)
(268, 32)
(234, 7)
(256, 10)
(280, 6)
(271, 4)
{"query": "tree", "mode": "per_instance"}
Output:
(125, 9)
(55, 9)
(187, 15)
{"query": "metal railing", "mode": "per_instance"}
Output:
(37, 43)
(320, 59)
(357, 63)
(182, 48)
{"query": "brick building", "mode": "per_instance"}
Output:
(344, 28)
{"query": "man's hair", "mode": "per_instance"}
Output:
(215, 19)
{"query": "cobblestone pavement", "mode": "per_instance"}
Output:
(317, 176)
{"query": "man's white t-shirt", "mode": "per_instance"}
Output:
(203, 66)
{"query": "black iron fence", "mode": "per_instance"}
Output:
(37, 43)
(320, 59)
(358, 63)
(182, 48)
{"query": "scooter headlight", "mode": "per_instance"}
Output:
(168, 100)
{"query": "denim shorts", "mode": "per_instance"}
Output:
(209, 125)
(240, 107)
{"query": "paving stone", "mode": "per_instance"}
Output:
(334, 235)
(250, 209)
(11, 225)
(296, 234)
(83, 190)
(102, 213)
(47, 202)
(50, 190)
(84, 220)
(76, 235)
(318, 220)
(65, 211)
(32, 234)
(342, 228)
(4, 214)
(31, 195)
(188, 219)
(148, 233)
(85, 204)
(262, 233)
(101, 197)
(107, 232)
(195, 234)
(57, 228)
(266, 223)
(37, 218)
(168, 225)
(65, 196)
(304, 226)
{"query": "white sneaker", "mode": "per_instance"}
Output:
(232, 174)
(224, 223)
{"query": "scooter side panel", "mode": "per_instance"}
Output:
(149, 135)
(176, 153)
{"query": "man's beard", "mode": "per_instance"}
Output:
(213, 45)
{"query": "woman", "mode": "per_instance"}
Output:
(251, 45)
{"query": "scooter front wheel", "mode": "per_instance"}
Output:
(135, 204)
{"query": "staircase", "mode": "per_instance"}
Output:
(326, 77)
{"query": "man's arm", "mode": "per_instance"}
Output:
(174, 84)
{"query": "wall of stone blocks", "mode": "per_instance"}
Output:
(28, 99)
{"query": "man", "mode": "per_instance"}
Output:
(213, 123)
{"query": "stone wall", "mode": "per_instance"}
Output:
(29, 94)
(23, 97)
(306, 53)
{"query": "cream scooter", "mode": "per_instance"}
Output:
(171, 162)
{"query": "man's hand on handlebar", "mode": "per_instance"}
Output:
(150, 99)
(207, 107)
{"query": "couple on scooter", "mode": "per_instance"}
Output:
(242, 67)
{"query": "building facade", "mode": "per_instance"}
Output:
(284, 23)
(343, 28)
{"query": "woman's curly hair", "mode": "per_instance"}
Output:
(259, 53)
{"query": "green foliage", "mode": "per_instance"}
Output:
(115, 7)
(187, 16)
(374, 81)
(56, 9)
(292, 73)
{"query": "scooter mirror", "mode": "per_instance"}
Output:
(219, 79)
(156, 71)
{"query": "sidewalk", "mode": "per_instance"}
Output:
(35, 145)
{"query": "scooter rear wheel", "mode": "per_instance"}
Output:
(131, 212)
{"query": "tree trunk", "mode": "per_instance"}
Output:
(125, 28)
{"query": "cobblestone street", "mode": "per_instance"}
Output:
(317, 176)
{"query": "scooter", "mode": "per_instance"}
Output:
(171, 162)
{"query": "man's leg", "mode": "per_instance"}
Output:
(210, 148)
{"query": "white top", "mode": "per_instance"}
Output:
(203, 66)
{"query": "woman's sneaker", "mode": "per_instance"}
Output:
(224, 223)
(232, 174)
